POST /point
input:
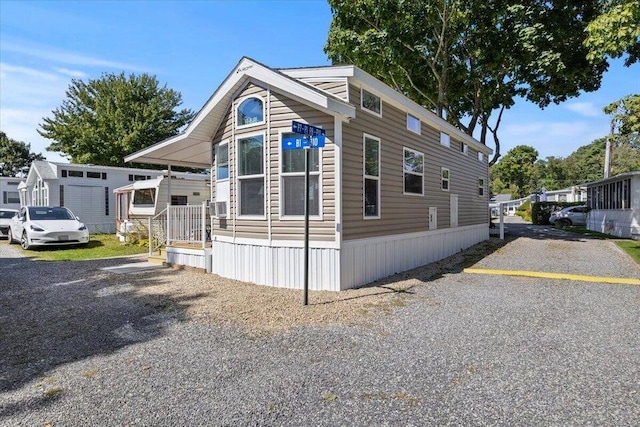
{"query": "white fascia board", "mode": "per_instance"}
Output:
(146, 151)
(340, 71)
(402, 102)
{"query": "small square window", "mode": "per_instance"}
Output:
(445, 139)
(464, 148)
(371, 103)
(413, 123)
(480, 156)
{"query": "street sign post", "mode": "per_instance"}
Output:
(312, 138)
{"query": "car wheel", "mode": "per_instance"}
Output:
(565, 222)
(24, 242)
(10, 236)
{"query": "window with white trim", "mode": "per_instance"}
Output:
(464, 148)
(413, 124)
(481, 156)
(10, 197)
(480, 186)
(251, 175)
(371, 171)
(292, 181)
(222, 162)
(370, 102)
(445, 139)
(250, 112)
(413, 171)
(445, 177)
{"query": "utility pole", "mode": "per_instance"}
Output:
(607, 152)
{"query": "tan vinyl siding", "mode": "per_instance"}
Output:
(402, 213)
(282, 111)
(337, 88)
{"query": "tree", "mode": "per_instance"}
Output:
(615, 32)
(625, 114)
(105, 119)
(468, 60)
(517, 168)
(15, 156)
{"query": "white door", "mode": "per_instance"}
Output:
(87, 203)
(433, 218)
(453, 209)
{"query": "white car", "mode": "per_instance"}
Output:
(5, 220)
(47, 225)
(573, 215)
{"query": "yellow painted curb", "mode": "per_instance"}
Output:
(563, 276)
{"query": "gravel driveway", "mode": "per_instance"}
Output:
(79, 347)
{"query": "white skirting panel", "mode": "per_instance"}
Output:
(617, 222)
(366, 260)
(196, 258)
(280, 266)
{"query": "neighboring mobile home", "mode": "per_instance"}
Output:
(615, 205)
(395, 187)
(87, 190)
(9, 192)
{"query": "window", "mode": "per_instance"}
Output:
(178, 200)
(63, 172)
(413, 123)
(144, 196)
(250, 112)
(106, 201)
(93, 175)
(371, 168)
(371, 103)
(480, 187)
(413, 171)
(292, 183)
(444, 174)
(77, 174)
(445, 139)
(464, 148)
(10, 197)
(139, 177)
(104, 175)
(251, 175)
(480, 156)
(222, 162)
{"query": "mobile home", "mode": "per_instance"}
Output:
(615, 205)
(9, 192)
(393, 188)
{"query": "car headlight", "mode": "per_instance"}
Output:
(82, 227)
(35, 228)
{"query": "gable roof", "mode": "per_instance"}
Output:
(43, 169)
(193, 147)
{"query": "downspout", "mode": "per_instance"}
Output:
(337, 158)
(268, 165)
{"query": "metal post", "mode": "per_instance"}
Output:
(168, 223)
(150, 235)
(203, 224)
(501, 221)
(307, 151)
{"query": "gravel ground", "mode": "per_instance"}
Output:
(432, 346)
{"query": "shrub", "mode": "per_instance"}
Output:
(524, 211)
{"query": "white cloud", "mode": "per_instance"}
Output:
(586, 109)
(71, 73)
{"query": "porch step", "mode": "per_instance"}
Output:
(157, 259)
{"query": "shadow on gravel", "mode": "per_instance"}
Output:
(52, 313)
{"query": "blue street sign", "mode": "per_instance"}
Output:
(298, 142)
(305, 129)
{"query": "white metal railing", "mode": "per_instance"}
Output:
(157, 226)
(188, 224)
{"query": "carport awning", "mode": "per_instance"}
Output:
(180, 150)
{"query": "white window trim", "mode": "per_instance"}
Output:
(481, 186)
(238, 196)
(362, 91)
(445, 139)
(240, 101)
(480, 156)
(377, 178)
(419, 130)
(281, 213)
(413, 173)
(464, 148)
(442, 179)
(224, 142)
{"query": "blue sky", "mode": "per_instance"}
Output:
(192, 45)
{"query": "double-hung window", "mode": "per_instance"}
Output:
(444, 174)
(251, 175)
(371, 169)
(413, 171)
(292, 181)
(480, 187)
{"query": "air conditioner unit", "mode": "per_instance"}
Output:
(221, 209)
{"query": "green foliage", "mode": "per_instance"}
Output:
(468, 60)
(15, 156)
(103, 120)
(524, 211)
(625, 114)
(615, 32)
(517, 168)
(541, 211)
